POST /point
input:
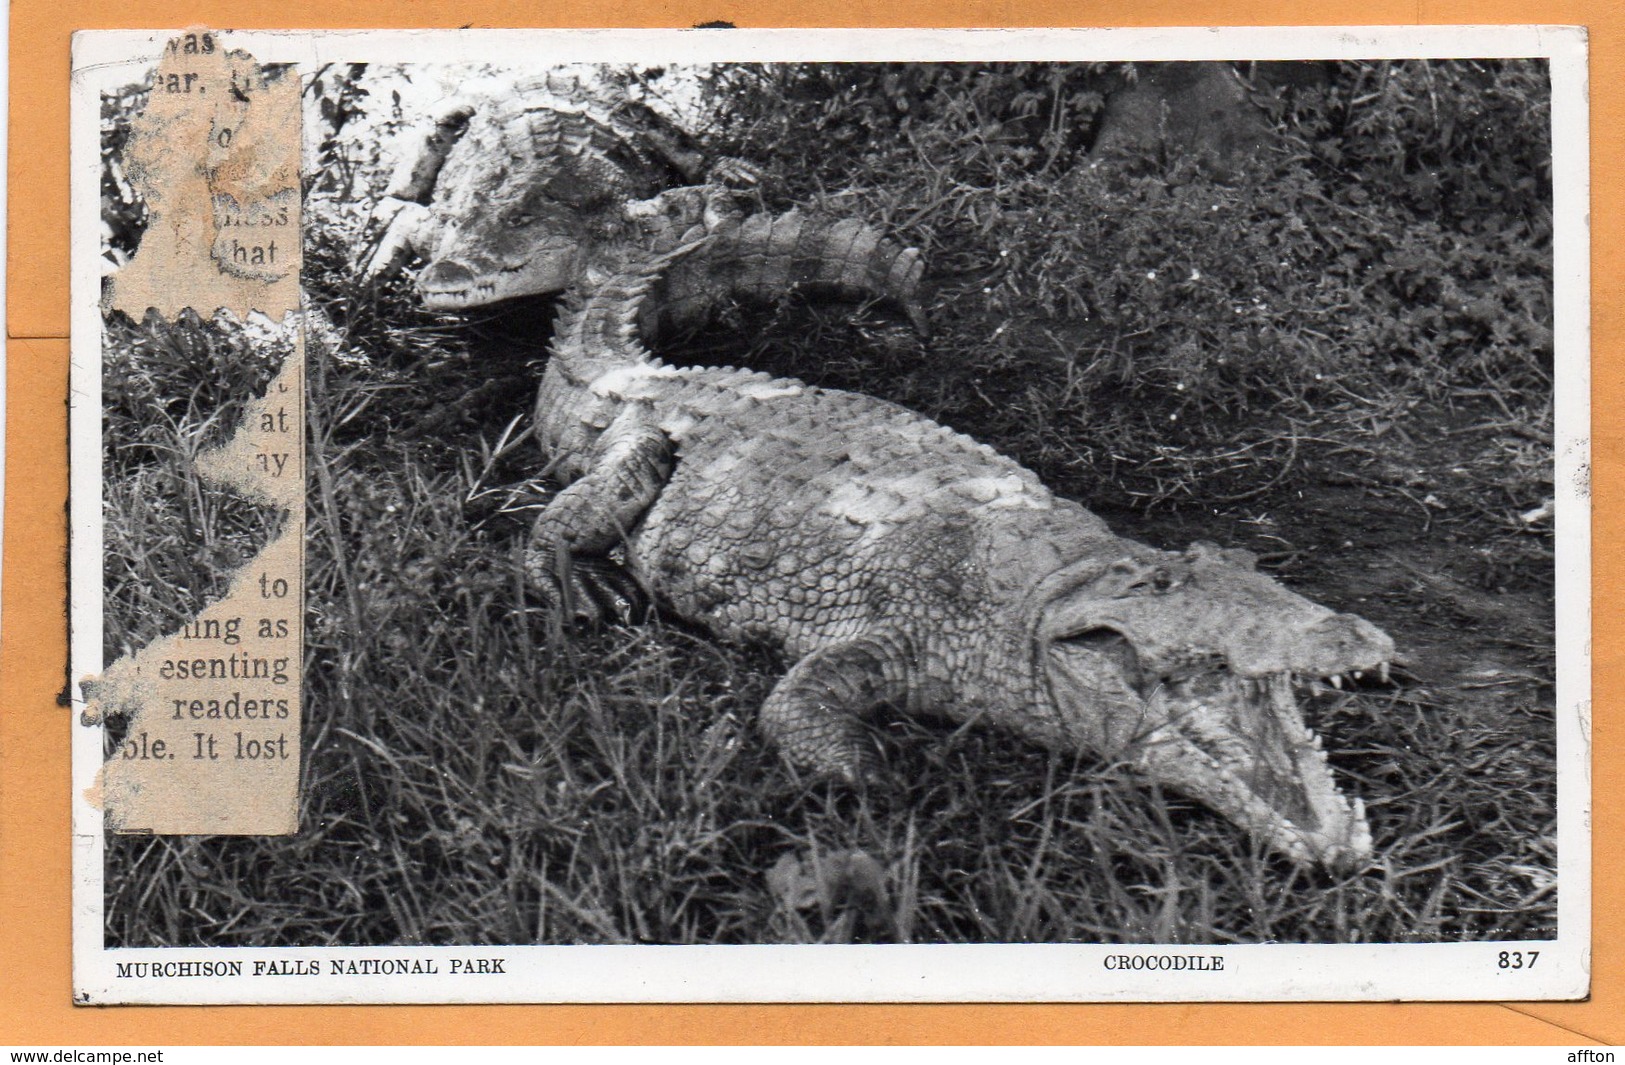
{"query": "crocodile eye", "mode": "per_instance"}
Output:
(1158, 581)
(520, 218)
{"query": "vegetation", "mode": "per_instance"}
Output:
(1339, 356)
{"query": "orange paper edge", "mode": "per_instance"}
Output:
(36, 1008)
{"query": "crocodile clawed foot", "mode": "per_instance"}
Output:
(854, 767)
(614, 592)
(866, 783)
(860, 771)
(592, 592)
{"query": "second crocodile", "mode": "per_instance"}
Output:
(532, 190)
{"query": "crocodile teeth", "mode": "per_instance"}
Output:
(1382, 671)
(1359, 674)
(1337, 681)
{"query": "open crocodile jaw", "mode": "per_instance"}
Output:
(1185, 663)
(1237, 744)
(1240, 745)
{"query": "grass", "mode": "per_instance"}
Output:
(477, 771)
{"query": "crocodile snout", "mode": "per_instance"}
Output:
(1342, 642)
(445, 274)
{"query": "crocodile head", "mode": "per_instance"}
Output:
(529, 247)
(518, 189)
(1189, 666)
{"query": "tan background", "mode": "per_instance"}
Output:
(35, 983)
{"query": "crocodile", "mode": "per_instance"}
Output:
(521, 193)
(893, 561)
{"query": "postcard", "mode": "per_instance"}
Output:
(732, 515)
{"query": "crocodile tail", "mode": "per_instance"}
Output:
(763, 257)
(597, 328)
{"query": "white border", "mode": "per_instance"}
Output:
(1285, 972)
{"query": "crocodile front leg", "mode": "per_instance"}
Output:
(408, 235)
(629, 466)
(812, 714)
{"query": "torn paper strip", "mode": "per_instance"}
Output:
(208, 715)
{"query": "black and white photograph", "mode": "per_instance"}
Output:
(1116, 502)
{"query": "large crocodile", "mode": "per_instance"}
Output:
(892, 560)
